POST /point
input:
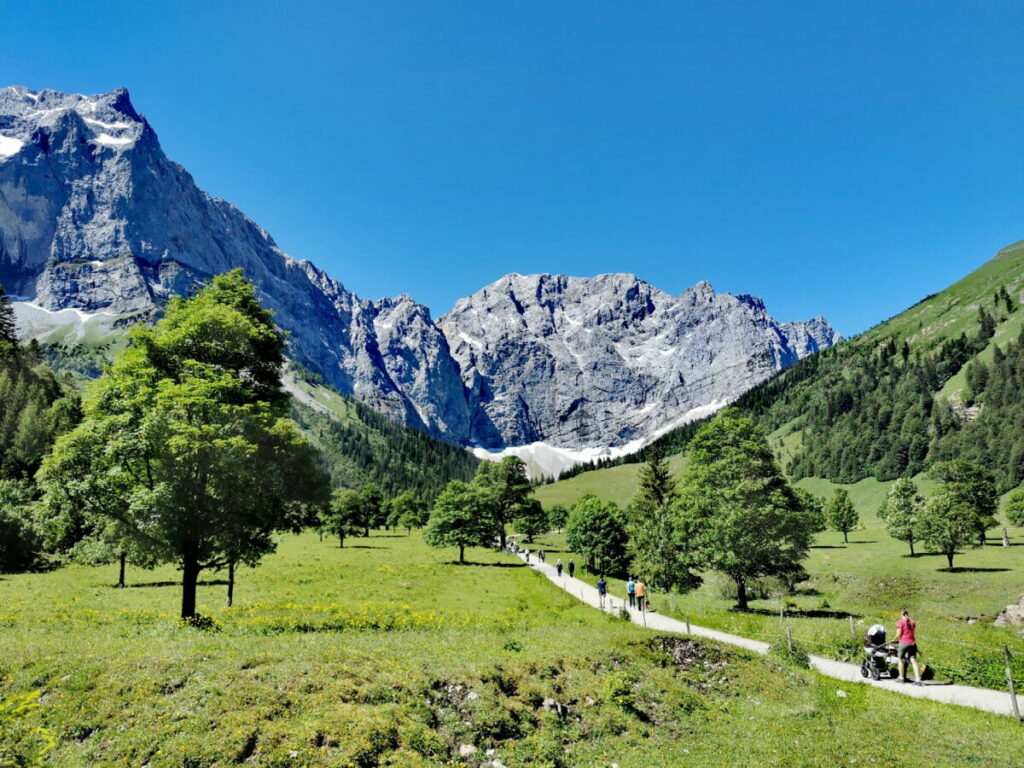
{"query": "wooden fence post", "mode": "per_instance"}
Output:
(1006, 539)
(687, 617)
(853, 631)
(1009, 682)
(789, 639)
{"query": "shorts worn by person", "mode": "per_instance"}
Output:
(906, 646)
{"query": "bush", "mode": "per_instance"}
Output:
(618, 690)
(797, 657)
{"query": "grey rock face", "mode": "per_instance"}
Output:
(580, 362)
(94, 217)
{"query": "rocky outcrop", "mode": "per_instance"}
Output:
(98, 226)
(580, 362)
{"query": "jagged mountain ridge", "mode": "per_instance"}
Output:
(95, 218)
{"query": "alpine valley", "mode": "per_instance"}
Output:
(98, 228)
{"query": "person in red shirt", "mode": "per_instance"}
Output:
(906, 648)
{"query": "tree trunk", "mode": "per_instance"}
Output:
(189, 578)
(321, 535)
(120, 575)
(462, 554)
(341, 540)
(911, 542)
(949, 557)
(741, 594)
(501, 535)
(231, 583)
(366, 532)
(846, 537)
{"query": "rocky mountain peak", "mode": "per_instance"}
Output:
(97, 223)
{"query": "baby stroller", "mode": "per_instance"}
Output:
(879, 658)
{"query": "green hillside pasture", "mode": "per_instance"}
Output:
(387, 654)
(613, 484)
(955, 310)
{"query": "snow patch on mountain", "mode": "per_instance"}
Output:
(546, 460)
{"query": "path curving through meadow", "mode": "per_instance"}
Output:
(986, 699)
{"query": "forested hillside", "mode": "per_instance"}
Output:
(358, 445)
(942, 380)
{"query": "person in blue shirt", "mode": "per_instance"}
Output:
(631, 591)
(602, 591)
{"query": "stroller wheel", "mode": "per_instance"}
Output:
(863, 670)
(875, 674)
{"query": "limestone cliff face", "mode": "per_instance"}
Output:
(606, 360)
(95, 218)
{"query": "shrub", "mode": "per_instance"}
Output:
(797, 657)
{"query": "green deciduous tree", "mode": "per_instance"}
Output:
(531, 519)
(900, 511)
(345, 516)
(462, 516)
(948, 523)
(558, 516)
(841, 513)
(373, 513)
(19, 540)
(973, 485)
(1015, 508)
(742, 517)
(410, 511)
(183, 453)
(509, 489)
(596, 531)
(814, 508)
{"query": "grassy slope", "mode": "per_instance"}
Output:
(614, 484)
(302, 673)
(955, 310)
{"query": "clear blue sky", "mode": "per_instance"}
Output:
(844, 161)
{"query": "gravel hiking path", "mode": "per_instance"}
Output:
(985, 699)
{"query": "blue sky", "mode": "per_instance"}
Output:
(844, 159)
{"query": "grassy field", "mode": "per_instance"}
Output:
(871, 578)
(387, 654)
(614, 484)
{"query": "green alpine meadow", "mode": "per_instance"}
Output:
(511, 385)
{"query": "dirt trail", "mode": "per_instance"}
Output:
(985, 699)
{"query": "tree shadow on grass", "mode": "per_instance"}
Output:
(362, 546)
(865, 541)
(968, 569)
(811, 614)
(829, 546)
(489, 565)
(207, 583)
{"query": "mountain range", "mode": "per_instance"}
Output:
(98, 228)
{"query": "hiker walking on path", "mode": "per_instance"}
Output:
(641, 594)
(631, 591)
(602, 591)
(558, 567)
(906, 648)
(527, 557)
(572, 568)
(540, 555)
